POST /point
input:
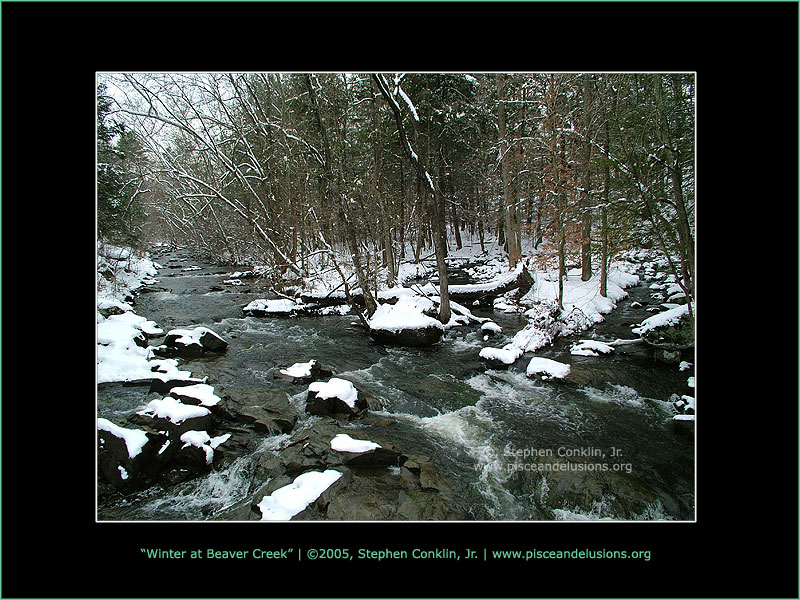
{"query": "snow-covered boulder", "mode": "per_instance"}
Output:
(342, 442)
(291, 499)
(500, 358)
(305, 372)
(405, 323)
(124, 455)
(171, 415)
(270, 308)
(190, 343)
(669, 333)
(201, 444)
(547, 368)
(590, 348)
(334, 397)
(491, 328)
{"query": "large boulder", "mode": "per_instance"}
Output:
(267, 410)
(406, 323)
(669, 333)
(336, 397)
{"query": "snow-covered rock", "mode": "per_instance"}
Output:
(198, 394)
(271, 308)
(305, 372)
(547, 368)
(669, 333)
(190, 343)
(173, 410)
(344, 443)
(491, 328)
(405, 323)
(590, 348)
(203, 441)
(134, 439)
(500, 357)
(286, 502)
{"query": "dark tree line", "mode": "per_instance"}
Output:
(285, 169)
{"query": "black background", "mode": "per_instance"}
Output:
(744, 543)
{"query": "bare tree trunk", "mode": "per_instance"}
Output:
(585, 207)
(435, 200)
(604, 218)
(510, 211)
(350, 235)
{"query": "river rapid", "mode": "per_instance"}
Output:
(603, 446)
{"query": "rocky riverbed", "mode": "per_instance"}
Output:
(447, 430)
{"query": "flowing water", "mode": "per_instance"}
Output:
(486, 429)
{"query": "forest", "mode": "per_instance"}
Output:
(302, 172)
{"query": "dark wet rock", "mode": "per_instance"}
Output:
(116, 467)
(380, 484)
(267, 410)
(111, 310)
(580, 485)
(418, 336)
(175, 430)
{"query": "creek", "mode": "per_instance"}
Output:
(611, 431)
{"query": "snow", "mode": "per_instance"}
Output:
(272, 306)
(299, 369)
(491, 326)
(668, 317)
(286, 502)
(690, 382)
(405, 314)
(188, 337)
(582, 302)
(550, 368)
(408, 102)
(582, 296)
(171, 409)
(506, 355)
(202, 392)
(205, 442)
(344, 443)
(135, 439)
(683, 418)
(684, 365)
(590, 348)
(496, 283)
(335, 388)
(409, 271)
